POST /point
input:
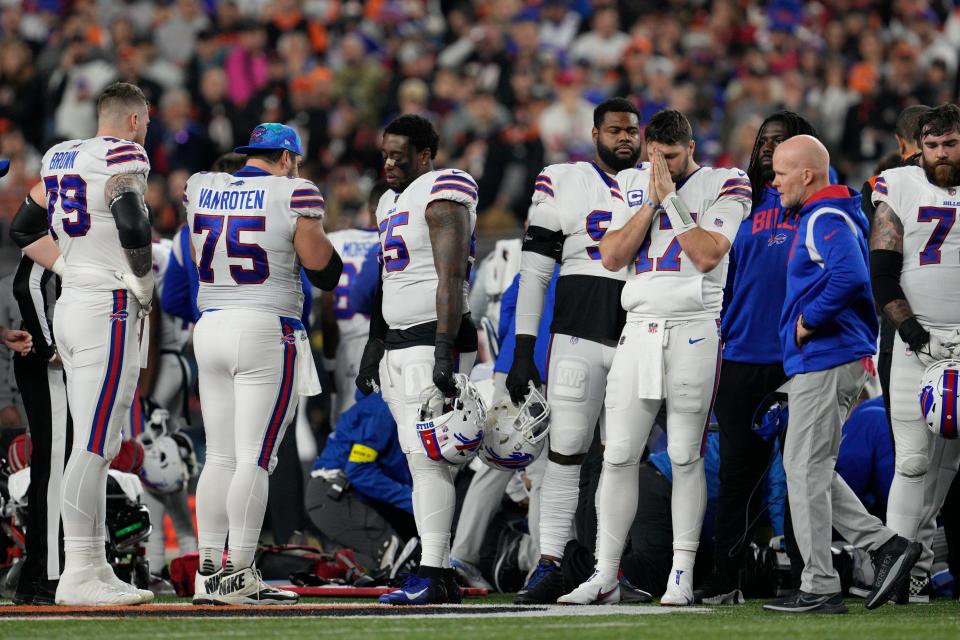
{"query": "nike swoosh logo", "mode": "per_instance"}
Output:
(692, 341)
(414, 596)
(830, 235)
(601, 595)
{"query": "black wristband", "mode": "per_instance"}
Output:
(525, 346)
(443, 347)
(913, 333)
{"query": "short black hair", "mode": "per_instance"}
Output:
(121, 94)
(613, 105)
(669, 127)
(794, 125)
(939, 121)
(230, 162)
(908, 120)
(418, 130)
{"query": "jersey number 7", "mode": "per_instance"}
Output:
(944, 217)
(214, 225)
(71, 191)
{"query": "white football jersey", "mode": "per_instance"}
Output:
(409, 275)
(931, 243)
(242, 232)
(174, 332)
(75, 176)
(663, 282)
(579, 199)
(353, 245)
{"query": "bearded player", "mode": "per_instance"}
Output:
(915, 269)
(574, 204)
(675, 247)
(420, 328)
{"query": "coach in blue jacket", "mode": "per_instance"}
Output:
(827, 327)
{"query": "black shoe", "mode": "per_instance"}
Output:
(452, 586)
(718, 590)
(893, 562)
(916, 590)
(803, 602)
(544, 587)
(630, 593)
(38, 592)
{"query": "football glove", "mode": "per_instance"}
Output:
(930, 348)
(443, 364)
(368, 378)
(523, 371)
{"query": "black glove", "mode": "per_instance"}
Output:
(523, 371)
(913, 333)
(368, 379)
(443, 364)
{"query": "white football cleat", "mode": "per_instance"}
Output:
(83, 588)
(679, 589)
(246, 587)
(596, 590)
(205, 588)
(105, 574)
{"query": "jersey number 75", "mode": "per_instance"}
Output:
(213, 225)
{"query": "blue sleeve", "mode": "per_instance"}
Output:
(178, 297)
(846, 269)
(369, 478)
(777, 491)
(307, 299)
(365, 285)
(508, 308)
(883, 461)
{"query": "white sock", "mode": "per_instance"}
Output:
(212, 521)
(434, 499)
(905, 504)
(558, 503)
(246, 506)
(80, 552)
(616, 507)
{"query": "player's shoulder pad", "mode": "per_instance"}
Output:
(453, 184)
(897, 177)
(732, 183)
(306, 199)
(634, 184)
(118, 155)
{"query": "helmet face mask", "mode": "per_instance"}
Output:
(513, 437)
(939, 398)
(451, 429)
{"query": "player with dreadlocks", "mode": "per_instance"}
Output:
(752, 363)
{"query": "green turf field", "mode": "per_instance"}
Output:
(939, 620)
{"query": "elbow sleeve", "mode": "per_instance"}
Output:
(327, 278)
(29, 224)
(885, 268)
(130, 214)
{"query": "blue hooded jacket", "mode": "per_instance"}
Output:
(828, 281)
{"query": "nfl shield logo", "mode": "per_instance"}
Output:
(652, 327)
(718, 222)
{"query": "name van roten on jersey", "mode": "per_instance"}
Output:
(231, 200)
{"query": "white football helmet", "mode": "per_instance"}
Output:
(451, 429)
(513, 437)
(939, 397)
(164, 469)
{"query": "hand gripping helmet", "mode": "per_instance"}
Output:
(451, 429)
(513, 437)
(164, 469)
(939, 397)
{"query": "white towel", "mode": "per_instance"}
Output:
(308, 381)
(651, 334)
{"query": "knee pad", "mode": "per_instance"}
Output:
(913, 465)
(682, 455)
(220, 461)
(621, 456)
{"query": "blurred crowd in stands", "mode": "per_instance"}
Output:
(510, 84)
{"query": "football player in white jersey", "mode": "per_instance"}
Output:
(574, 205)
(675, 247)
(251, 232)
(99, 242)
(345, 330)
(915, 271)
(420, 328)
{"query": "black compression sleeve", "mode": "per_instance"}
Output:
(544, 241)
(328, 277)
(29, 224)
(885, 267)
(378, 326)
(130, 215)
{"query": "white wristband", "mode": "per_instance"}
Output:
(59, 266)
(680, 219)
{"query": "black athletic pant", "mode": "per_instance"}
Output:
(744, 459)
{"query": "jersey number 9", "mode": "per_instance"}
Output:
(213, 225)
